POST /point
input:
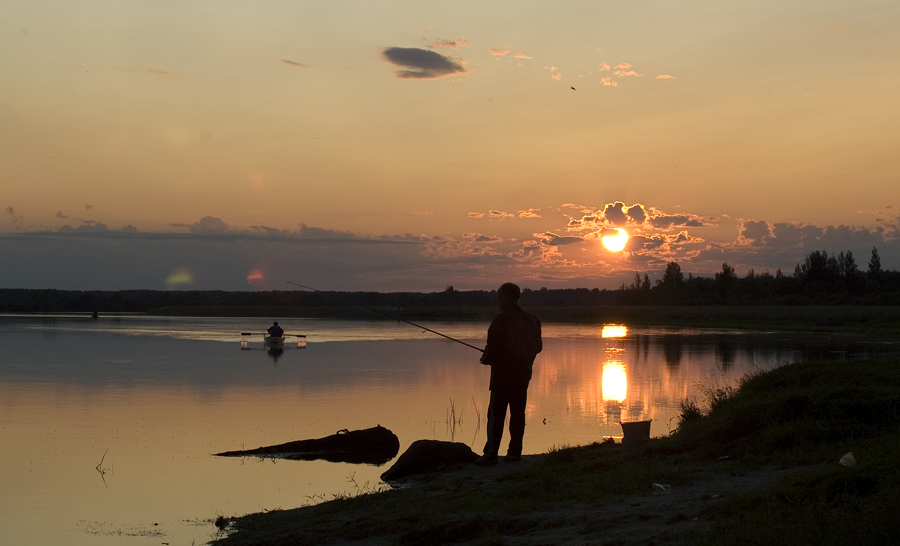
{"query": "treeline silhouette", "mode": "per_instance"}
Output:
(822, 279)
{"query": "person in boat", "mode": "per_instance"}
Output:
(513, 341)
(275, 330)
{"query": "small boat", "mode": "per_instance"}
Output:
(277, 342)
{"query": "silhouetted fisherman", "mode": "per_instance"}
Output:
(275, 330)
(514, 339)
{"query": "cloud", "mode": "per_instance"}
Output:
(422, 64)
(522, 56)
(604, 67)
(462, 41)
(623, 66)
(88, 207)
(661, 220)
(421, 213)
(665, 77)
(219, 256)
(607, 81)
(530, 213)
(209, 224)
(625, 73)
(310, 231)
(498, 52)
(554, 239)
(294, 63)
(475, 215)
(754, 232)
(87, 226)
(500, 214)
(481, 238)
(636, 214)
(615, 213)
(59, 214)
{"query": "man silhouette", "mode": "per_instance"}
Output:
(275, 330)
(514, 339)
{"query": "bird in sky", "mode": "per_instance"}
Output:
(573, 89)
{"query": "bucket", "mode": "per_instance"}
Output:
(635, 433)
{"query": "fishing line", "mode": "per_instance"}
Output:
(385, 315)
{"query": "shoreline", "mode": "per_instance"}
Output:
(773, 445)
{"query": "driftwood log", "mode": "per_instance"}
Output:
(376, 445)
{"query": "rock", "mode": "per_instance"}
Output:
(428, 456)
(376, 445)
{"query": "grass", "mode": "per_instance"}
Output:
(802, 415)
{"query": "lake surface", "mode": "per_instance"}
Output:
(107, 426)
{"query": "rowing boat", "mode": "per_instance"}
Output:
(277, 342)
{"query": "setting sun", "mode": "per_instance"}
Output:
(615, 241)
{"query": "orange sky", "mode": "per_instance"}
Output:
(397, 120)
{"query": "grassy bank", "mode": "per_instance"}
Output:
(802, 416)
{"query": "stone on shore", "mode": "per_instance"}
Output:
(429, 456)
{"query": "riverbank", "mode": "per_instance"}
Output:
(757, 465)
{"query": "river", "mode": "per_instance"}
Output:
(108, 426)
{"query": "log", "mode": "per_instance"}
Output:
(376, 445)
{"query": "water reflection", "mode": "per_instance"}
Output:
(613, 330)
(159, 395)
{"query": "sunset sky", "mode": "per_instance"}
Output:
(396, 145)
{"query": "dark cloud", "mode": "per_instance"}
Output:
(209, 225)
(88, 226)
(309, 231)
(637, 214)
(637, 243)
(267, 230)
(422, 64)
(753, 231)
(88, 206)
(553, 239)
(481, 238)
(59, 214)
(666, 221)
(615, 213)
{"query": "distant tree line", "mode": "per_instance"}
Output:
(822, 279)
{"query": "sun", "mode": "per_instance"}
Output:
(615, 242)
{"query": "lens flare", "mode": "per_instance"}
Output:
(177, 278)
(254, 275)
(615, 242)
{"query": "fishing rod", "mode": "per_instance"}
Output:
(385, 315)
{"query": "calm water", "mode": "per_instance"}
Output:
(107, 426)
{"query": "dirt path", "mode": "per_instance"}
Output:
(646, 519)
